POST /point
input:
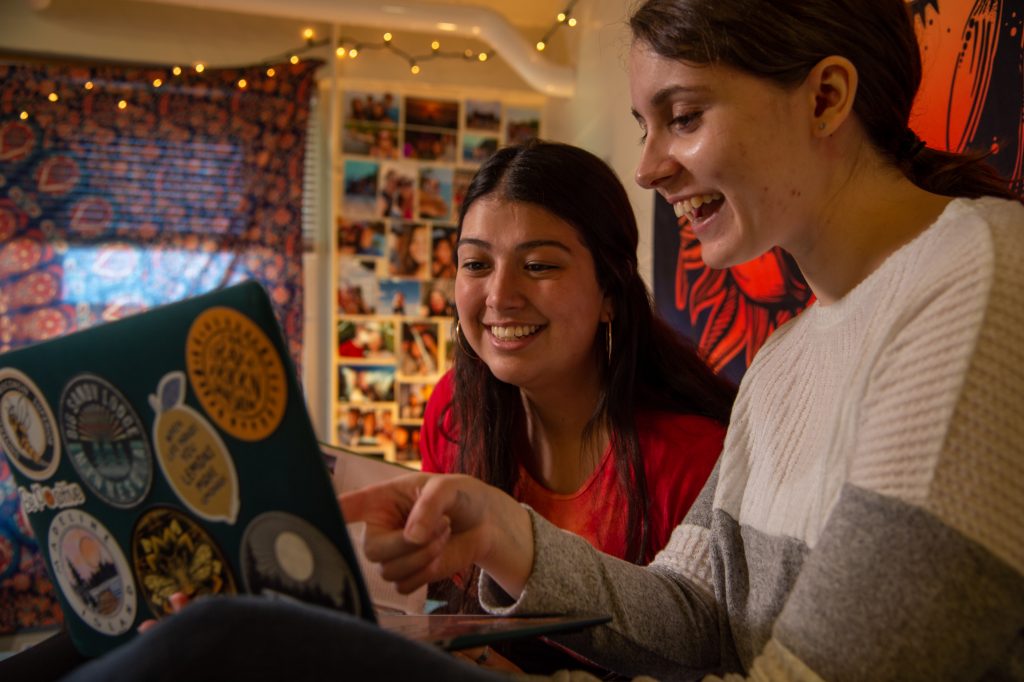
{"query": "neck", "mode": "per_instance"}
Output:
(560, 459)
(872, 212)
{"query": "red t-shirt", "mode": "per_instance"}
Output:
(679, 451)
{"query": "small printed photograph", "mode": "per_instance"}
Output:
(429, 145)
(523, 124)
(379, 107)
(407, 443)
(419, 351)
(366, 383)
(435, 193)
(397, 197)
(478, 148)
(439, 298)
(372, 339)
(460, 185)
(409, 250)
(361, 237)
(433, 113)
(360, 182)
(443, 263)
(399, 296)
(366, 426)
(412, 399)
(483, 115)
(370, 139)
(358, 286)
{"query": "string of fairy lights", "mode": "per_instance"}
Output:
(344, 48)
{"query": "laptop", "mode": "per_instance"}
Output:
(172, 452)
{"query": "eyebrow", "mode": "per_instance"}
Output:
(666, 93)
(525, 246)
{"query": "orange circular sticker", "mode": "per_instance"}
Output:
(236, 373)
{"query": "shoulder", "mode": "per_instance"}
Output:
(675, 436)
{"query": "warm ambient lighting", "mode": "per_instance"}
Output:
(176, 70)
(445, 26)
(414, 69)
(540, 46)
(23, 116)
(294, 59)
(271, 72)
(353, 53)
(122, 105)
(482, 56)
(307, 34)
(242, 83)
(157, 82)
(387, 37)
(88, 85)
(571, 22)
(341, 51)
(52, 97)
(200, 67)
(435, 46)
(561, 16)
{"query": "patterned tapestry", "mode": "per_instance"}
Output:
(125, 188)
(971, 97)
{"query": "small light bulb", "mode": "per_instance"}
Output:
(387, 37)
(540, 46)
(52, 97)
(242, 83)
(468, 54)
(572, 22)
(122, 105)
(294, 59)
(561, 16)
(341, 52)
(200, 67)
(415, 69)
(176, 70)
(353, 53)
(157, 82)
(482, 56)
(23, 116)
(271, 72)
(307, 34)
(435, 46)
(88, 85)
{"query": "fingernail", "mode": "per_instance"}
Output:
(417, 533)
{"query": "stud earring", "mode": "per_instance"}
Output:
(821, 126)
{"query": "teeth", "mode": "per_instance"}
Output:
(513, 332)
(688, 206)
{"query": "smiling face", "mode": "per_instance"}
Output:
(527, 295)
(728, 150)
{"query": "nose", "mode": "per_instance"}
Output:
(655, 165)
(503, 289)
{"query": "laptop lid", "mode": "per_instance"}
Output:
(172, 451)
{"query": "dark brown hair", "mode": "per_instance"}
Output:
(782, 40)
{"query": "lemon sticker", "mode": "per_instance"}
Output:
(237, 373)
(192, 456)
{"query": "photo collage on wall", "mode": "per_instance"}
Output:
(405, 164)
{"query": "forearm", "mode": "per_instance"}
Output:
(662, 624)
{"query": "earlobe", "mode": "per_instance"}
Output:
(833, 83)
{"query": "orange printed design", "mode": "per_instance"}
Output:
(237, 373)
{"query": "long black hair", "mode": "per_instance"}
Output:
(782, 40)
(649, 365)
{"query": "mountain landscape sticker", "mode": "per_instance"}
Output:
(28, 433)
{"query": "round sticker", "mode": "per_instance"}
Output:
(105, 441)
(172, 553)
(92, 572)
(284, 554)
(237, 373)
(27, 428)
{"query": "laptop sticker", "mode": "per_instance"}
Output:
(28, 434)
(58, 496)
(92, 572)
(105, 441)
(236, 372)
(172, 553)
(192, 455)
(283, 555)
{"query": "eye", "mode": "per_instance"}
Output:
(540, 267)
(686, 122)
(472, 265)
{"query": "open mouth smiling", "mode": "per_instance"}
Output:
(699, 207)
(514, 332)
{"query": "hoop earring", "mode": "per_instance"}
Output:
(608, 340)
(463, 345)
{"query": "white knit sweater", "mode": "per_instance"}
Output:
(867, 517)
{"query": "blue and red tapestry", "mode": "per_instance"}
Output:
(126, 188)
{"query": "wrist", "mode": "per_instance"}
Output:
(509, 557)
